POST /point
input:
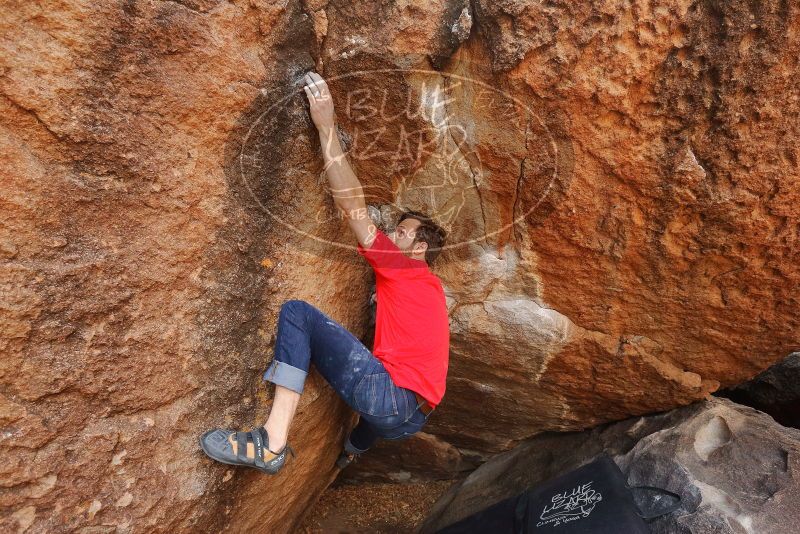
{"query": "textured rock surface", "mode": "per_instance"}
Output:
(140, 282)
(619, 178)
(734, 467)
(659, 263)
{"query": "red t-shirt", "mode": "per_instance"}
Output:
(412, 331)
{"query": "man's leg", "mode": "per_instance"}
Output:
(307, 335)
(304, 335)
(284, 406)
(365, 435)
(362, 438)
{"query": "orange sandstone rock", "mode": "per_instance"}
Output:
(619, 182)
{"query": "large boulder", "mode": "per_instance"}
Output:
(660, 262)
(616, 177)
(637, 248)
(141, 280)
(734, 467)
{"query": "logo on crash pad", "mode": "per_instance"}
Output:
(570, 505)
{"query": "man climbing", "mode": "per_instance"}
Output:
(395, 387)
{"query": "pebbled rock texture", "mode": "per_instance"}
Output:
(619, 180)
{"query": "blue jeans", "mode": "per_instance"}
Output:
(307, 335)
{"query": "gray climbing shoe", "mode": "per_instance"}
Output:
(216, 445)
(349, 455)
(345, 459)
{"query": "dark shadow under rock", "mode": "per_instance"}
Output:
(775, 391)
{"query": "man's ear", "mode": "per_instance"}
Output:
(421, 247)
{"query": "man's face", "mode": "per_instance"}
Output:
(403, 236)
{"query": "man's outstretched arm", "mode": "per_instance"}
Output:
(347, 193)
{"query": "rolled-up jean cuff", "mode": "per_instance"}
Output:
(285, 375)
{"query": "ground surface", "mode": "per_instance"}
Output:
(373, 507)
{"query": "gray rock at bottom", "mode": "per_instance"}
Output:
(733, 466)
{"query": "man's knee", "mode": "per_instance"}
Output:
(294, 305)
(301, 312)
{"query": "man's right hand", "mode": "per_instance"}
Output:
(320, 102)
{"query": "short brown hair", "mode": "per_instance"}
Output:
(427, 231)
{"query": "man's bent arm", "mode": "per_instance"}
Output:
(347, 192)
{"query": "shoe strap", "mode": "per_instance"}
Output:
(259, 442)
(241, 446)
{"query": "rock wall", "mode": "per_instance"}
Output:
(619, 180)
(141, 280)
